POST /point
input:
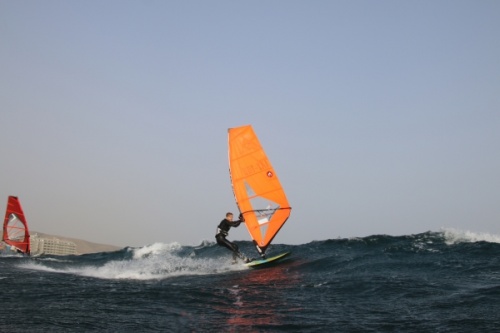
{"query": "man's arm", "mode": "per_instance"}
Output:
(241, 219)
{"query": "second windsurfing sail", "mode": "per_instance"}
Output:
(257, 189)
(15, 228)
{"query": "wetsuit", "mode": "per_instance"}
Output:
(223, 231)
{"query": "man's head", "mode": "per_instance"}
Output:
(229, 216)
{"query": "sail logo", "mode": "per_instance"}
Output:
(256, 168)
(248, 143)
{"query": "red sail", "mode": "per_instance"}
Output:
(15, 228)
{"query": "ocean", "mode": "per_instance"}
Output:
(445, 281)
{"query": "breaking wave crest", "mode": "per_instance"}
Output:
(155, 261)
(454, 236)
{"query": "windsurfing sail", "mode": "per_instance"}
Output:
(15, 228)
(257, 189)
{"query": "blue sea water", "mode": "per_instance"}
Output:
(444, 281)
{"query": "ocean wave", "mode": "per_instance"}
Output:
(454, 236)
(52, 259)
(155, 261)
(155, 249)
(165, 260)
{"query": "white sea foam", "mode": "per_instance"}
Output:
(453, 236)
(155, 249)
(52, 259)
(156, 261)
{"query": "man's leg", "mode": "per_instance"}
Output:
(233, 247)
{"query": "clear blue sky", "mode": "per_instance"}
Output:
(380, 117)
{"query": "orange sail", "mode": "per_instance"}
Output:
(257, 190)
(15, 228)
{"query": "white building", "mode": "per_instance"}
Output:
(53, 246)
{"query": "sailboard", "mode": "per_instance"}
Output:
(256, 187)
(15, 227)
(258, 263)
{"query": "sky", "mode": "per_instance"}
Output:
(379, 117)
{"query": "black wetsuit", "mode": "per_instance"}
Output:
(223, 231)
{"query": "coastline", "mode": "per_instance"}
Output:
(82, 246)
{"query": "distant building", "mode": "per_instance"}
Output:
(53, 246)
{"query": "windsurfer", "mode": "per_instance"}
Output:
(223, 231)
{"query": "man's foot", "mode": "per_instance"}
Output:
(246, 260)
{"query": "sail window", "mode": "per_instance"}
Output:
(15, 228)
